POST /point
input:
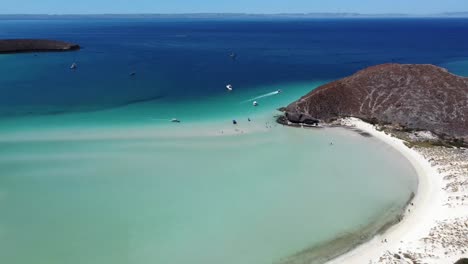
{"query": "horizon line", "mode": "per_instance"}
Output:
(310, 14)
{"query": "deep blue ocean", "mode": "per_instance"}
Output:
(183, 59)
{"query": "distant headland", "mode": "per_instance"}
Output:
(319, 15)
(35, 45)
(405, 97)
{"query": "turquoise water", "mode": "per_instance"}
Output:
(243, 198)
(120, 186)
(93, 171)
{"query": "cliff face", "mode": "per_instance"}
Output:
(419, 97)
(35, 45)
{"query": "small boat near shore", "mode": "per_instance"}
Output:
(229, 87)
(175, 120)
(73, 66)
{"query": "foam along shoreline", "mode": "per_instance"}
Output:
(407, 240)
(35, 45)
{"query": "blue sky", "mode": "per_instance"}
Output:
(235, 6)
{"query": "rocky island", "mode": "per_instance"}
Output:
(35, 45)
(405, 96)
(419, 110)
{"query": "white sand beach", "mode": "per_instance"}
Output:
(434, 228)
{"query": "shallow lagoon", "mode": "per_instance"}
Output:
(134, 193)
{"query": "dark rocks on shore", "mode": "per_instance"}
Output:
(35, 45)
(301, 118)
(413, 97)
(298, 118)
(462, 261)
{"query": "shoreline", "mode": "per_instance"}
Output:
(422, 214)
(428, 198)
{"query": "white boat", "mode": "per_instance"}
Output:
(255, 103)
(73, 66)
(175, 120)
(229, 87)
(276, 92)
(233, 55)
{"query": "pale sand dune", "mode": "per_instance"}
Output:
(435, 228)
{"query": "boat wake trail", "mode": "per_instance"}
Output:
(261, 96)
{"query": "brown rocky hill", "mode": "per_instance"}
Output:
(35, 45)
(416, 97)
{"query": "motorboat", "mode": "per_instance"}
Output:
(229, 87)
(233, 55)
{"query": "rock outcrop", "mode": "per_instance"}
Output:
(414, 97)
(301, 118)
(35, 45)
